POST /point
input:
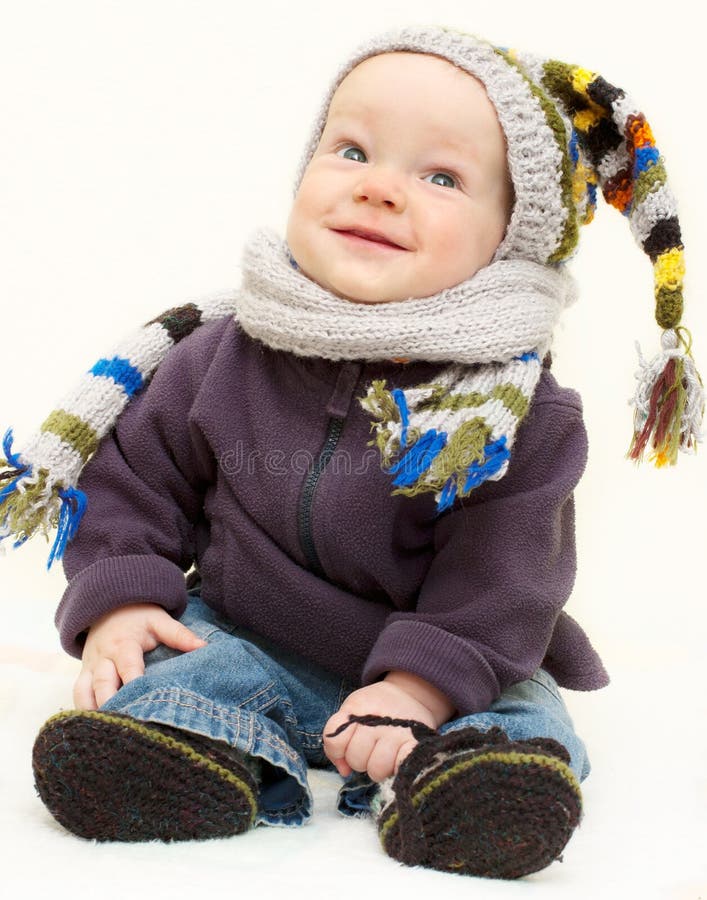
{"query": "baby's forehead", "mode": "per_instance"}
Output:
(401, 69)
(419, 96)
(445, 131)
(407, 83)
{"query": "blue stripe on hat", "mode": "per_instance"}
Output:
(574, 149)
(646, 157)
(121, 372)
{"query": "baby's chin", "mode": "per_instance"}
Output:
(349, 292)
(369, 294)
(337, 281)
(362, 301)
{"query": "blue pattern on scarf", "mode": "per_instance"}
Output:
(122, 372)
(495, 455)
(15, 461)
(418, 458)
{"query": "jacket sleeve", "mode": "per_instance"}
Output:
(503, 567)
(145, 488)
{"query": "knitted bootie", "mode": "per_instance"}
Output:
(110, 777)
(477, 803)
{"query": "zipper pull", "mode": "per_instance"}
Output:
(340, 400)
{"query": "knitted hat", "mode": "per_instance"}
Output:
(568, 130)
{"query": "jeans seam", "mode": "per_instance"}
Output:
(269, 702)
(314, 739)
(276, 743)
(272, 700)
(542, 685)
(288, 713)
(310, 734)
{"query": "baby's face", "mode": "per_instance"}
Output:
(412, 149)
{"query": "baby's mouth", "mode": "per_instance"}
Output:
(363, 239)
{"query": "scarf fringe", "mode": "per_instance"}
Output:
(669, 402)
(433, 461)
(73, 506)
(31, 503)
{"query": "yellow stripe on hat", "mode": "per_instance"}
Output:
(585, 119)
(583, 175)
(581, 79)
(669, 269)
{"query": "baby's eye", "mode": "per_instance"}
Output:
(444, 175)
(355, 149)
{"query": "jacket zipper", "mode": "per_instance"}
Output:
(335, 427)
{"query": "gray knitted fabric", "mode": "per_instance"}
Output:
(503, 310)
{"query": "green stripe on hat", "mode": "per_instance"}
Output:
(649, 180)
(570, 235)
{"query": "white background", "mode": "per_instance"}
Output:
(143, 141)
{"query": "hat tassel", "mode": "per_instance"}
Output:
(669, 402)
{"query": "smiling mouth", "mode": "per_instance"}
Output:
(371, 241)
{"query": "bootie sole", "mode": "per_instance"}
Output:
(492, 813)
(110, 777)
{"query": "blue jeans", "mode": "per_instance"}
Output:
(274, 704)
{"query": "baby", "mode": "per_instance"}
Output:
(413, 639)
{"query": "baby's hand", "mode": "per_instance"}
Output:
(113, 652)
(378, 750)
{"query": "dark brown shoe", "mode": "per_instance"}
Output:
(110, 777)
(476, 803)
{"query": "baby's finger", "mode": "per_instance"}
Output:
(84, 698)
(335, 747)
(388, 753)
(129, 663)
(342, 767)
(360, 747)
(174, 634)
(106, 681)
(403, 753)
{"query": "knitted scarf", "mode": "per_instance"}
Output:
(449, 436)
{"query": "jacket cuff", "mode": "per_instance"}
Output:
(447, 661)
(113, 582)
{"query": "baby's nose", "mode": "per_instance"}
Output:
(381, 187)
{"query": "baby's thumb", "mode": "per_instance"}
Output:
(172, 633)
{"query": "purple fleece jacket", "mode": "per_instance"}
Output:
(252, 465)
